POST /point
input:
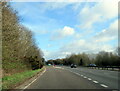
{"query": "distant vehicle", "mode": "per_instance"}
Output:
(92, 65)
(73, 66)
(49, 64)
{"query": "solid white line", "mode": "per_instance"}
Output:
(95, 81)
(34, 80)
(30, 83)
(103, 85)
(89, 79)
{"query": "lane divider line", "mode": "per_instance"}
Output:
(34, 80)
(89, 79)
(103, 85)
(95, 81)
(77, 73)
(84, 77)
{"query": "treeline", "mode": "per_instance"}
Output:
(19, 51)
(101, 59)
(107, 59)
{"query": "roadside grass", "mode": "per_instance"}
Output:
(9, 82)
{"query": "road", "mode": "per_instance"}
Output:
(106, 77)
(75, 78)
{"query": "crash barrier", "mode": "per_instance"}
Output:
(113, 68)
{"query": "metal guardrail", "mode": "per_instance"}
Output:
(115, 68)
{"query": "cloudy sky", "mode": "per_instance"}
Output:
(62, 28)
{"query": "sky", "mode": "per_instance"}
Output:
(63, 28)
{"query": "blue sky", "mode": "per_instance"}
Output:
(62, 28)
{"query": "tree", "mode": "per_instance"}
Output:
(18, 44)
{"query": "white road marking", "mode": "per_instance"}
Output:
(103, 85)
(77, 73)
(30, 83)
(89, 79)
(85, 77)
(71, 71)
(33, 80)
(59, 67)
(95, 81)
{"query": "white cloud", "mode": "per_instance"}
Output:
(66, 31)
(62, 33)
(46, 54)
(88, 45)
(78, 35)
(75, 46)
(107, 9)
(111, 33)
(55, 54)
(104, 39)
(85, 46)
(100, 12)
(78, 46)
(54, 5)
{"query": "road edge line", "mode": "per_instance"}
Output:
(34, 80)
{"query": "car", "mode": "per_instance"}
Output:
(73, 66)
(49, 64)
(92, 65)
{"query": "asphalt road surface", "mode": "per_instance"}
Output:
(110, 79)
(75, 78)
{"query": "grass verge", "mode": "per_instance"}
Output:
(9, 82)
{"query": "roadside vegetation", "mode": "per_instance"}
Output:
(101, 59)
(16, 79)
(20, 55)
